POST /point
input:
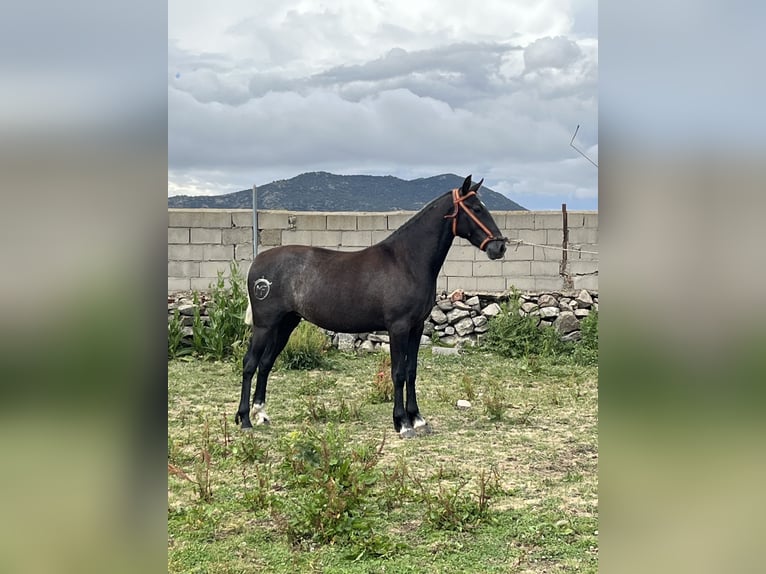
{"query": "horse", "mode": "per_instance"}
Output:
(388, 286)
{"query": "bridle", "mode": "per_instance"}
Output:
(458, 200)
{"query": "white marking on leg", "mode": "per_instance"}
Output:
(259, 414)
(420, 422)
(249, 313)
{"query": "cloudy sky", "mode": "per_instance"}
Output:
(266, 90)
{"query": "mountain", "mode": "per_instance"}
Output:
(322, 191)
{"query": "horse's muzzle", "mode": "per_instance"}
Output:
(496, 248)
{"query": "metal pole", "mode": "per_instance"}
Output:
(255, 221)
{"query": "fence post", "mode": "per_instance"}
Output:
(255, 221)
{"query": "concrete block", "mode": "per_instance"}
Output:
(378, 236)
(185, 252)
(205, 235)
(460, 242)
(520, 220)
(590, 219)
(244, 252)
(217, 252)
(341, 222)
(220, 218)
(329, 239)
(273, 220)
(183, 268)
(242, 217)
(458, 268)
(369, 222)
(581, 256)
(553, 237)
(548, 254)
(464, 283)
(310, 221)
(356, 238)
(519, 253)
(549, 283)
(589, 282)
(178, 284)
(201, 283)
(545, 268)
(462, 253)
(548, 220)
(270, 237)
(211, 268)
(582, 267)
(178, 235)
(488, 268)
(522, 283)
(441, 283)
(517, 268)
(491, 284)
(296, 237)
(583, 235)
(396, 220)
(237, 235)
(533, 236)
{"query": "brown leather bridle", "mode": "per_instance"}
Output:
(458, 200)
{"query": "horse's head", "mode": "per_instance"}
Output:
(472, 220)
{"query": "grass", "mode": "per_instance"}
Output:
(507, 486)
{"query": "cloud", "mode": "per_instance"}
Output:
(558, 52)
(375, 87)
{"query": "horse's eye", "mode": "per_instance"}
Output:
(476, 208)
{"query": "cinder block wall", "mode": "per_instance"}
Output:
(202, 242)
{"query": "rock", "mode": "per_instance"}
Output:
(547, 300)
(573, 336)
(566, 322)
(548, 312)
(480, 320)
(463, 404)
(187, 331)
(428, 328)
(441, 327)
(444, 305)
(491, 310)
(581, 313)
(438, 316)
(450, 330)
(464, 326)
(367, 346)
(584, 299)
(543, 324)
(528, 307)
(425, 341)
(445, 351)
(346, 341)
(474, 303)
(481, 328)
(448, 340)
(461, 305)
(187, 320)
(386, 348)
(186, 309)
(457, 295)
(456, 314)
(379, 337)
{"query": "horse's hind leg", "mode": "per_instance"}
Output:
(249, 365)
(279, 337)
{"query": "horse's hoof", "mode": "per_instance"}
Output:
(407, 432)
(262, 420)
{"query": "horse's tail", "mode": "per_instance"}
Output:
(249, 313)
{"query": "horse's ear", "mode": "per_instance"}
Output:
(466, 186)
(476, 186)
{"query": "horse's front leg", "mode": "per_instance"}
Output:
(413, 412)
(399, 343)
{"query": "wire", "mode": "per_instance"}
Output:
(522, 242)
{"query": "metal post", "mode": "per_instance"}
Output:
(255, 221)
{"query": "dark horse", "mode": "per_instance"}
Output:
(389, 286)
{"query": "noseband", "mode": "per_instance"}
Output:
(457, 200)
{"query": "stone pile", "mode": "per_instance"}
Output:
(457, 319)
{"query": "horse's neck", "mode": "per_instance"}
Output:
(426, 247)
